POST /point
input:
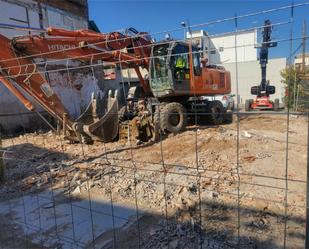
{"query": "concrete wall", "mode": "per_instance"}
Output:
(62, 19)
(75, 7)
(222, 48)
(249, 74)
(299, 60)
(18, 13)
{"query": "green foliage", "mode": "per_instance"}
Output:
(291, 80)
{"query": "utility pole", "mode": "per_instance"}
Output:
(304, 49)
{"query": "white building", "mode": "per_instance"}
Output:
(298, 61)
(224, 48)
(227, 49)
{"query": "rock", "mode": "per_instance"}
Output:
(260, 223)
(213, 194)
(77, 190)
(263, 155)
(247, 134)
(261, 204)
(193, 189)
(173, 244)
(153, 231)
(206, 182)
(222, 130)
(76, 177)
(249, 159)
(224, 157)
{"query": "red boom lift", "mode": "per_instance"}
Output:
(262, 92)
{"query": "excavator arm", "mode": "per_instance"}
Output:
(86, 45)
(18, 70)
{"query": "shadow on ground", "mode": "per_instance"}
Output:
(54, 219)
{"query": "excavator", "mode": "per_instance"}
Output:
(173, 89)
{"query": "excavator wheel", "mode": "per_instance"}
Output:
(215, 113)
(228, 117)
(157, 123)
(173, 118)
(276, 105)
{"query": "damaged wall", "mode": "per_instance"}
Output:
(73, 86)
(42, 14)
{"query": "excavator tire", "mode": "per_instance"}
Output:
(276, 105)
(215, 113)
(157, 123)
(228, 117)
(173, 118)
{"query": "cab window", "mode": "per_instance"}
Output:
(196, 62)
(180, 62)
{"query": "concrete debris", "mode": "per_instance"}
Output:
(247, 134)
(191, 172)
(263, 155)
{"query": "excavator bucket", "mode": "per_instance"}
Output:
(99, 122)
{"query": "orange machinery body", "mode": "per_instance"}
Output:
(176, 71)
(18, 67)
(86, 45)
(211, 82)
(19, 71)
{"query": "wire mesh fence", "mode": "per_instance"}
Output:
(240, 184)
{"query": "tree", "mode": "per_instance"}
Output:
(293, 87)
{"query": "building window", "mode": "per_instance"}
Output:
(221, 49)
(213, 51)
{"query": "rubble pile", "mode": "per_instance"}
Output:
(191, 175)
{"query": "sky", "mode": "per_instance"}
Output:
(159, 16)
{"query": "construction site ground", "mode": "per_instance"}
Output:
(215, 180)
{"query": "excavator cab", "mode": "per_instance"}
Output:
(170, 69)
(176, 71)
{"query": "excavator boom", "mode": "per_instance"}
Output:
(18, 70)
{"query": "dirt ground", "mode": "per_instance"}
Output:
(209, 187)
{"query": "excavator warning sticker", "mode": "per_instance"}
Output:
(47, 90)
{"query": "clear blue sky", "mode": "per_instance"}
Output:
(155, 16)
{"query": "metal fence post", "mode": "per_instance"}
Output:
(1, 162)
(307, 193)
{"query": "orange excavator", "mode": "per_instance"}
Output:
(177, 76)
